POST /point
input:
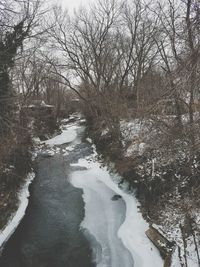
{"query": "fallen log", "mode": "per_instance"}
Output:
(164, 246)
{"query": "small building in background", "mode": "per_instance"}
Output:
(39, 116)
(38, 107)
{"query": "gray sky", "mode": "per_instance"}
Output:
(71, 4)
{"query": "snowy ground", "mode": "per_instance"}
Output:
(19, 214)
(139, 135)
(171, 230)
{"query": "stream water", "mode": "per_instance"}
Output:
(73, 217)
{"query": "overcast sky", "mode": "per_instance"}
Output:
(71, 4)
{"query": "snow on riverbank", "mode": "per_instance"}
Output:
(132, 230)
(19, 214)
(69, 136)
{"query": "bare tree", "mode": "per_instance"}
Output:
(140, 54)
(29, 73)
(105, 50)
(178, 47)
(169, 50)
(193, 45)
(90, 45)
(18, 20)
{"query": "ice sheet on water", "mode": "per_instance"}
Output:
(66, 136)
(101, 217)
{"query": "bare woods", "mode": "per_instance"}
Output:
(136, 60)
(134, 65)
(18, 24)
(132, 59)
(133, 69)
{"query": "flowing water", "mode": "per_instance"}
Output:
(52, 233)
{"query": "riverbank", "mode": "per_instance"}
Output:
(17, 216)
(15, 177)
(49, 233)
(17, 154)
(131, 232)
(54, 223)
(160, 187)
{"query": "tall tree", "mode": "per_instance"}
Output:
(18, 19)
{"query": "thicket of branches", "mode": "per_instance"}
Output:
(138, 60)
(19, 26)
(124, 58)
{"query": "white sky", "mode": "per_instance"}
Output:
(71, 4)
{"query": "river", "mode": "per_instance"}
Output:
(77, 216)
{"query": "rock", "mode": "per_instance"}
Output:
(116, 197)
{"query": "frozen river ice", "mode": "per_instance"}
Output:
(77, 215)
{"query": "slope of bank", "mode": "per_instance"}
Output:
(158, 174)
(49, 232)
(18, 215)
(17, 153)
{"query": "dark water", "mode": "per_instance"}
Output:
(49, 234)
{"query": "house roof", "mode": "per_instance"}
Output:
(39, 104)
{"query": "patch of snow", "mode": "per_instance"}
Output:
(46, 152)
(19, 214)
(104, 132)
(43, 104)
(137, 147)
(175, 261)
(142, 147)
(31, 106)
(36, 140)
(66, 153)
(64, 121)
(192, 260)
(173, 233)
(89, 140)
(70, 148)
(131, 129)
(132, 149)
(135, 133)
(131, 232)
(153, 167)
